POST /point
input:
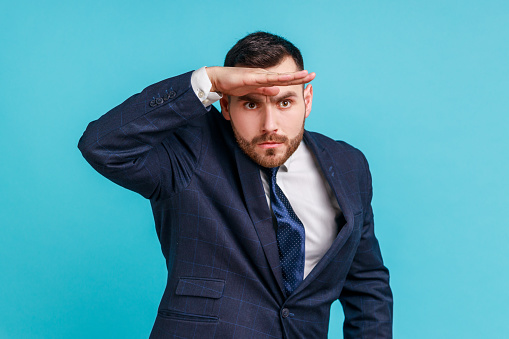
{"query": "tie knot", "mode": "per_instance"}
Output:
(271, 172)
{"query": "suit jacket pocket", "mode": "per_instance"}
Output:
(200, 287)
(175, 315)
(194, 299)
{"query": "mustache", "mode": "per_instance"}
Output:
(269, 137)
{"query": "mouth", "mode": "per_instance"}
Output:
(269, 144)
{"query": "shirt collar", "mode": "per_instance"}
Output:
(294, 158)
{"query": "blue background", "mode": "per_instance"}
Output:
(420, 86)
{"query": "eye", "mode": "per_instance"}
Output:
(250, 105)
(285, 103)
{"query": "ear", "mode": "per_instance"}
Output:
(225, 107)
(308, 98)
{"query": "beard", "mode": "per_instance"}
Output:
(269, 158)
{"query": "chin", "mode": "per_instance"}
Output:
(269, 159)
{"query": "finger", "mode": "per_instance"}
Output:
(278, 78)
(305, 80)
(310, 76)
(283, 77)
(300, 81)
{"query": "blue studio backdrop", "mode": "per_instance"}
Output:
(421, 87)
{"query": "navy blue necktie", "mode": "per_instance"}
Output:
(290, 235)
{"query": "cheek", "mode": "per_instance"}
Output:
(295, 123)
(245, 125)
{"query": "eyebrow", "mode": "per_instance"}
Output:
(257, 98)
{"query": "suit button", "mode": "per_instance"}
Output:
(159, 101)
(152, 103)
(166, 97)
(172, 94)
(285, 312)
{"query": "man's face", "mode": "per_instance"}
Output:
(269, 129)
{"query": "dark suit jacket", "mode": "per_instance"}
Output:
(216, 231)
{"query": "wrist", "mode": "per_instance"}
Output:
(211, 73)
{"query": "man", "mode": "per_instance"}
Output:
(262, 224)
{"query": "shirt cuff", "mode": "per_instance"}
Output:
(201, 86)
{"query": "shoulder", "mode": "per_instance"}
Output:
(339, 150)
(348, 160)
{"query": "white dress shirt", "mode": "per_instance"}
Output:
(301, 180)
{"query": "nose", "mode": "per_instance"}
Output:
(269, 123)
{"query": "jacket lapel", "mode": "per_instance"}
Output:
(337, 183)
(258, 210)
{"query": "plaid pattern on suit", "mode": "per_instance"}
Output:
(216, 231)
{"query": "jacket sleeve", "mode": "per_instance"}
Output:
(148, 144)
(366, 296)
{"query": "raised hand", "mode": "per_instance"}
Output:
(238, 81)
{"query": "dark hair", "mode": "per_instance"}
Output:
(262, 50)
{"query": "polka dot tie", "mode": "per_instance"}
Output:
(290, 235)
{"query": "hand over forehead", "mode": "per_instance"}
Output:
(238, 81)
